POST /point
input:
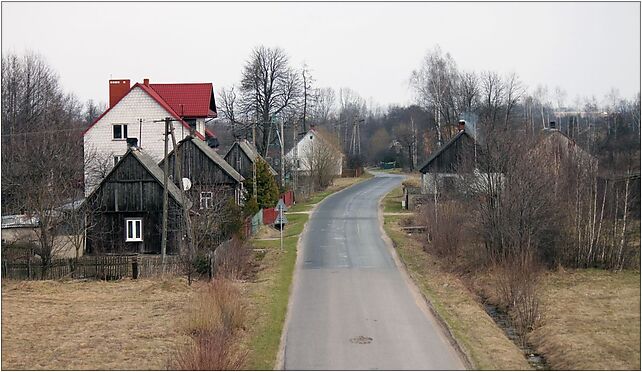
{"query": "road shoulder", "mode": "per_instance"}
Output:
(472, 332)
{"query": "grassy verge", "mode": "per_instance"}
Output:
(392, 201)
(485, 344)
(93, 325)
(591, 320)
(269, 293)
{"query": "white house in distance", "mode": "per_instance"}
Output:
(136, 113)
(315, 144)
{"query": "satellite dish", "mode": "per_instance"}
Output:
(187, 184)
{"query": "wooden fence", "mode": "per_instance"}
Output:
(100, 267)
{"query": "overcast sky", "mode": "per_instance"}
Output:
(586, 48)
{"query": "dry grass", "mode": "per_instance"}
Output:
(213, 351)
(218, 306)
(591, 320)
(92, 325)
(486, 345)
(216, 314)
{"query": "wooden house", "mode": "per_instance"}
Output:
(137, 113)
(210, 177)
(242, 155)
(127, 209)
(442, 169)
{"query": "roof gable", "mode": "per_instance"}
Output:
(445, 147)
(150, 166)
(213, 156)
(156, 97)
(251, 152)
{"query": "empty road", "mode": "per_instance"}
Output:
(351, 307)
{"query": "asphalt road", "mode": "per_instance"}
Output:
(352, 308)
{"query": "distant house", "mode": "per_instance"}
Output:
(209, 175)
(127, 209)
(136, 113)
(445, 167)
(314, 145)
(441, 169)
(555, 146)
(242, 155)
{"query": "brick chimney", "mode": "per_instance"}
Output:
(551, 125)
(146, 82)
(117, 90)
(462, 125)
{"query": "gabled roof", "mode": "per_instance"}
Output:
(251, 153)
(150, 165)
(443, 148)
(215, 157)
(324, 136)
(157, 97)
(194, 100)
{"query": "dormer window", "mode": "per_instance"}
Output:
(119, 131)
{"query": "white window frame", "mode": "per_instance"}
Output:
(207, 199)
(123, 131)
(117, 158)
(135, 226)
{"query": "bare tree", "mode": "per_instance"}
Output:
(514, 91)
(493, 95)
(268, 86)
(321, 161)
(435, 83)
(323, 105)
(42, 154)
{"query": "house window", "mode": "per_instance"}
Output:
(134, 230)
(207, 200)
(117, 159)
(120, 131)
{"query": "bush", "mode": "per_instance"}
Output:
(267, 189)
(234, 260)
(445, 229)
(217, 307)
(516, 280)
(211, 351)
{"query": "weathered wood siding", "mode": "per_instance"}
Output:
(450, 158)
(240, 161)
(130, 192)
(204, 174)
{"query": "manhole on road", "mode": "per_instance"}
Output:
(362, 340)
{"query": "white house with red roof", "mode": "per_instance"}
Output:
(136, 113)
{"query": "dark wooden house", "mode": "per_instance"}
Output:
(241, 156)
(211, 178)
(444, 166)
(127, 209)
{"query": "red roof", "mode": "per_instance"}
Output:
(189, 100)
(177, 97)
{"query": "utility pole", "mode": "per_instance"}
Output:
(178, 162)
(254, 191)
(282, 142)
(295, 165)
(167, 122)
(165, 197)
